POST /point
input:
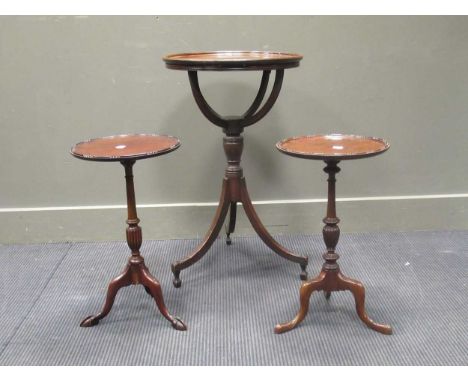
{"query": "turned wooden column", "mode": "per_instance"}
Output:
(134, 235)
(331, 149)
(331, 231)
(127, 149)
(234, 188)
(233, 147)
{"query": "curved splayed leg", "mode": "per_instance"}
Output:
(265, 235)
(358, 291)
(119, 282)
(232, 222)
(306, 290)
(210, 237)
(155, 289)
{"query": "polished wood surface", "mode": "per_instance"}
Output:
(332, 146)
(135, 271)
(332, 281)
(234, 190)
(232, 60)
(124, 147)
(234, 187)
(330, 278)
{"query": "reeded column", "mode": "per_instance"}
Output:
(134, 235)
(331, 231)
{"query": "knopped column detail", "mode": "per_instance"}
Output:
(234, 188)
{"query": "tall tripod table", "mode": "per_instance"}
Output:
(234, 188)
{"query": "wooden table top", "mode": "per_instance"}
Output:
(125, 147)
(332, 147)
(232, 60)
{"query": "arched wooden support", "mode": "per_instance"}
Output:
(234, 185)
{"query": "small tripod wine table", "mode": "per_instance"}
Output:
(127, 149)
(234, 188)
(332, 149)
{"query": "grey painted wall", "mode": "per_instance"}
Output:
(66, 79)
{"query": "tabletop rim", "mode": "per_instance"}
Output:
(336, 156)
(121, 158)
(288, 60)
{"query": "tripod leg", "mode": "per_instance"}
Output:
(232, 222)
(265, 235)
(207, 242)
(306, 290)
(357, 289)
(154, 287)
(119, 282)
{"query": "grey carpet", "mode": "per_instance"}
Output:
(232, 299)
(24, 273)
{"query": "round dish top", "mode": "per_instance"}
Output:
(232, 60)
(332, 147)
(125, 147)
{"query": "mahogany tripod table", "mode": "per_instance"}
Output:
(234, 188)
(332, 149)
(127, 149)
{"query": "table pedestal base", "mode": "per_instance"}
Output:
(135, 273)
(234, 190)
(331, 281)
(330, 278)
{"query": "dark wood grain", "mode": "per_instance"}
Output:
(124, 147)
(232, 60)
(234, 189)
(333, 146)
(330, 278)
(135, 272)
